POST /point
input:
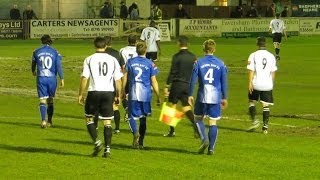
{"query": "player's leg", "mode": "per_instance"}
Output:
(134, 112)
(253, 97)
(52, 91)
(146, 110)
(171, 132)
(187, 110)
(50, 110)
(91, 107)
(43, 112)
(142, 131)
(106, 112)
(266, 100)
(214, 113)
(276, 42)
(116, 118)
(199, 112)
(43, 95)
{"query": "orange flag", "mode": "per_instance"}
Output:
(170, 116)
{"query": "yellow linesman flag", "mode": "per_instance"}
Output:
(169, 115)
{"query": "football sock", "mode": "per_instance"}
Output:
(96, 119)
(91, 127)
(171, 130)
(277, 51)
(142, 129)
(190, 116)
(50, 112)
(107, 135)
(202, 130)
(116, 114)
(266, 113)
(43, 111)
(133, 125)
(213, 134)
(252, 112)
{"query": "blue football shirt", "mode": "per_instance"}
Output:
(140, 70)
(48, 62)
(212, 77)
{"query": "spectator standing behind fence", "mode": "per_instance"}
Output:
(253, 12)
(181, 12)
(156, 13)
(284, 13)
(29, 13)
(133, 5)
(15, 13)
(238, 13)
(271, 11)
(123, 10)
(106, 10)
(134, 14)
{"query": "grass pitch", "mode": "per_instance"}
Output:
(289, 151)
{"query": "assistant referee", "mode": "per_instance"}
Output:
(178, 82)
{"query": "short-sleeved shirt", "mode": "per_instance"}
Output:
(212, 77)
(48, 62)
(151, 35)
(128, 52)
(101, 69)
(263, 63)
(140, 70)
(277, 26)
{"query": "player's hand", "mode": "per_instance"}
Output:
(62, 83)
(158, 102)
(34, 73)
(81, 100)
(117, 100)
(166, 92)
(250, 88)
(224, 103)
(190, 100)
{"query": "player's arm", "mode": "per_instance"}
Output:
(83, 85)
(60, 71)
(124, 82)
(170, 76)
(224, 88)
(33, 65)
(155, 86)
(158, 44)
(117, 78)
(193, 80)
(250, 79)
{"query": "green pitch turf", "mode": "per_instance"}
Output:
(291, 150)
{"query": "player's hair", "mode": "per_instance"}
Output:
(261, 41)
(46, 39)
(277, 15)
(100, 42)
(141, 48)
(132, 39)
(108, 40)
(209, 46)
(183, 40)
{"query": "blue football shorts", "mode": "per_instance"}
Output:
(137, 109)
(46, 86)
(212, 111)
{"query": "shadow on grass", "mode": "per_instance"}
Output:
(147, 148)
(69, 116)
(25, 124)
(128, 131)
(233, 128)
(70, 141)
(30, 149)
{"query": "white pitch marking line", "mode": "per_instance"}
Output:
(285, 125)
